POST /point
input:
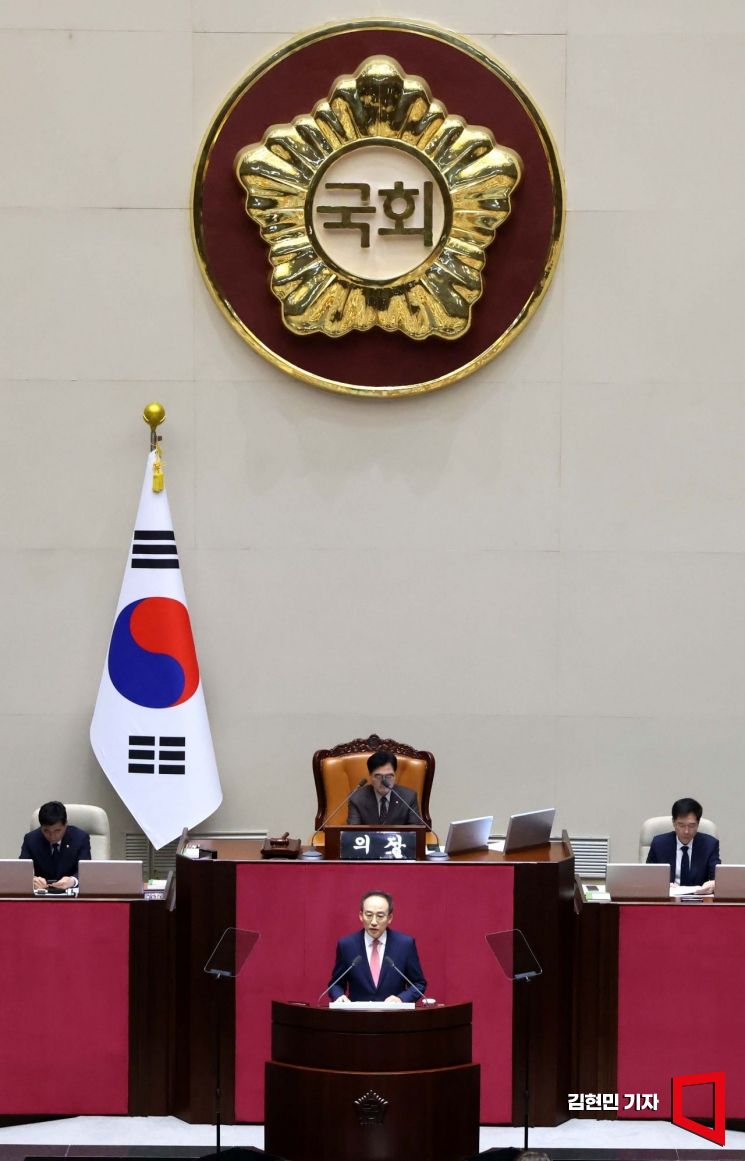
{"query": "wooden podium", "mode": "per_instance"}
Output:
(376, 1086)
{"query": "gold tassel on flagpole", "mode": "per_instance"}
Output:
(154, 414)
(158, 478)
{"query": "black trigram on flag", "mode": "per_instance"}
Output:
(154, 550)
(151, 755)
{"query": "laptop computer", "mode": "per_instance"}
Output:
(530, 829)
(468, 834)
(646, 881)
(16, 877)
(120, 878)
(729, 882)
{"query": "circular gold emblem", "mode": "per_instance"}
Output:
(400, 177)
(347, 241)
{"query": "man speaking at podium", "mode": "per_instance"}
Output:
(377, 963)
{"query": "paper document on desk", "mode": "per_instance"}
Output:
(676, 891)
(595, 894)
(369, 1005)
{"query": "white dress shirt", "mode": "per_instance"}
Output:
(369, 941)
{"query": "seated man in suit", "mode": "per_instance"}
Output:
(56, 849)
(692, 856)
(376, 959)
(380, 801)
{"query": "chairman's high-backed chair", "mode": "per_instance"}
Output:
(338, 771)
(661, 824)
(92, 819)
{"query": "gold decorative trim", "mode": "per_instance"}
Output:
(468, 48)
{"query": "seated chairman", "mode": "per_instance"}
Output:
(381, 801)
(373, 977)
(692, 856)
(55, 848)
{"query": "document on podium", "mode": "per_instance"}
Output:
(369, 1006)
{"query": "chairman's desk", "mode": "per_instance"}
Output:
(85, 1006)
(658, 993)
(301, 908)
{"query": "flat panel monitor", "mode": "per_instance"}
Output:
(16, 877)
(112, 877)
(630, 881)
(729, 882)
(530, 829)
(469, 834)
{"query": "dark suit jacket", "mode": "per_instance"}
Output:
(363, 808)
(704, 855)
(359, 984)
(75, 846)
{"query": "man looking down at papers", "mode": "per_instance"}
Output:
(692, 856)
(55, 848)
(372, 963)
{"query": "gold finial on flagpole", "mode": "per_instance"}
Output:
(154, 414)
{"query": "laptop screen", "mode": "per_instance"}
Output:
(468, 834)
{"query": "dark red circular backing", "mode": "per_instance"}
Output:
(237, 258)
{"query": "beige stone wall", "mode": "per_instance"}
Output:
(538, 573)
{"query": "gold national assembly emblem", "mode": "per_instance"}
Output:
(378, 222)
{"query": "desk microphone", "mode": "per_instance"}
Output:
(314, 853)
(387, 959)
(333, 983)
(411, 808)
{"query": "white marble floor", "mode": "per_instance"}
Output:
(171, 1131)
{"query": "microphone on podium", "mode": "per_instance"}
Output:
(346, 971)
(314, 853)
(387, 959)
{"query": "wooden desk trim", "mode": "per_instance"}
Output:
(236, 850)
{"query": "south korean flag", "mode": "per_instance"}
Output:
(150, 731)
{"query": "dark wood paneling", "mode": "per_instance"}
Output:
(436, 1037)
(595, 1008)
(205, 907)
(428, 1116)
(151, 1008)
(544, 914)
(423, 1112)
